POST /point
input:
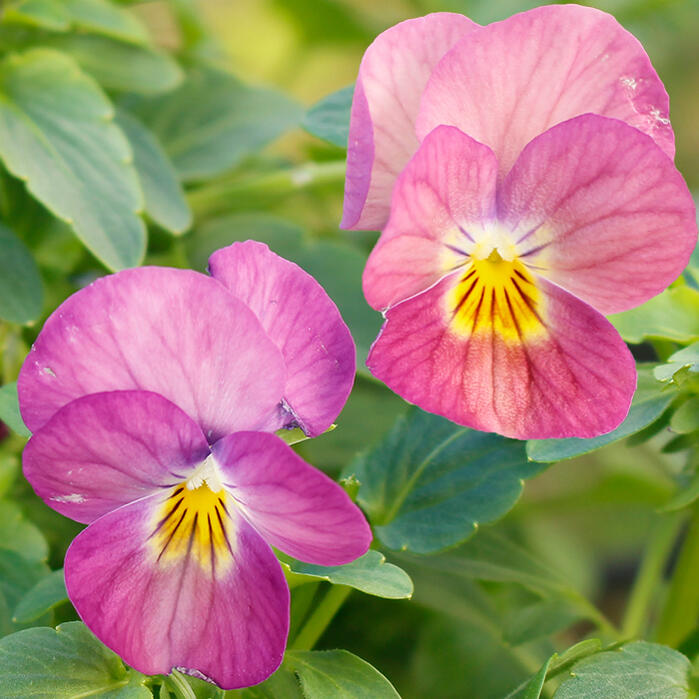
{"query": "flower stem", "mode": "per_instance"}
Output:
(181, 686)
(649, 575)
(226, 194)
(321, 617)
(681, 610)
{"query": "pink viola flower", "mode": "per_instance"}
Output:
(502, 84)
(494, 285)
(152, 394)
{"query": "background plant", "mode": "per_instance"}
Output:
(136, 133)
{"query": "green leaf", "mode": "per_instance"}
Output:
(538, 620)
(338, 674)
(63, 663)
(98, 16)
(164, 197)
(9, 410)
(21, 293)
(672, 315)
(536, 684)
(684, 359)
(42, 598)
(329, 119)
(17, 576)
(635, 670)
(20, 535)
(213, 121)
(686, 418)
(370, 573)
(687, 493)
(118, 65)
(429, 483)
(56, 133)
(649, 403)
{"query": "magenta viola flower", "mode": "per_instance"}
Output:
(502, 84)
(494, 287)
(152, 394)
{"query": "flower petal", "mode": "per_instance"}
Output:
(392, 76)
(294, 506)
(508, 82)
(303, 322)
(105, 450)
(598, 208)
(210, 600)
(522, 358)
(442, 202)
(174, 332)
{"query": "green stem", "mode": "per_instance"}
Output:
(681, 610)
(181, 686)
(228, 193)
(649, 575)
(321, 617)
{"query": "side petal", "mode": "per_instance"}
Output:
(294, 506)
(215, 604)
(527, 360)
(174, 332)
(105, 450)
(392, 76)
(595, 206)
(303, 322)
(443, 202)
(508, 82)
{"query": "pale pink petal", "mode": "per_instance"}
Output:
(532, 363)
(304, 323)
(392, 76)
(174, 332)
(442, 204)
(218, 611)
(506, 83)
(295, 507)
(105, 450)
(595, 206)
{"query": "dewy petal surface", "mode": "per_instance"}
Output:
(520, 356)
(304, 323)
(105, 450)
(206, 597)
(392, 76)
(173, 332)
(294, 506)
(598, 208)
(508, 82)
(442, 204)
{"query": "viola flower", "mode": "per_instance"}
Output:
(151, 394)
(494, 287)
(175, 568)
(502, 84)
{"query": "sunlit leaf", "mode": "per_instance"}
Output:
(370, 573)
(21, 293)
(684, 361)
(635, 670)
(164, 198)
(63, 663)
(56, 133)
(649, 402)
(429, 483)
(329, 118)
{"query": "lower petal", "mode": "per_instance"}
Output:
(199, 591)
(524, 359)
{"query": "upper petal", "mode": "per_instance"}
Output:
(304, 323)
(174, 332)
(522, 358)
(392, 76)
(105, 450)
(508, 82)
(294, 506)
(597, 207)
(442, 203)
(209, 598)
